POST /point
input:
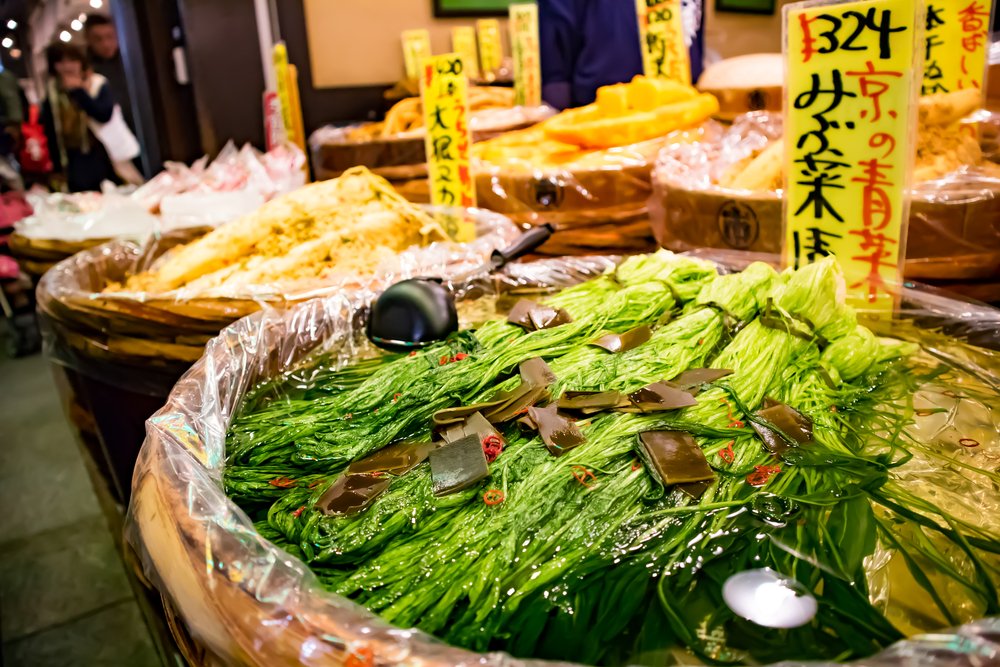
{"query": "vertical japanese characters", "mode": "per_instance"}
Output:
(490, 48)
(848, 119)
(463, 42)
(955, 43)
(525, 55)
(416, 47)
(661, 33)
(444, 92)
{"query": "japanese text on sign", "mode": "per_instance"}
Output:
(463, 42)
(955, 44)
(444, 93)
(524, 52)
(416, 47)
(661, 31)
(848, 119)
(490, 49)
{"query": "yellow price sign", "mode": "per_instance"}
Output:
(664, 49)
(955, 44)
(444, 92)
(490, 48)
(525, 54)
(416, 47)
(463, 42)
(850, 114)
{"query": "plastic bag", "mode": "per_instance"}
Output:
(243, 601)
(954, 230)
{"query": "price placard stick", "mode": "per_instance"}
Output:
(445, 97)
(416, 47)
(490, 48)
(661, 33)
(463, 42)
(525, 55)
(850, 114)
(955, 44)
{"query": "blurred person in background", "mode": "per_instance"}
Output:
(586, 44)
(76, 95)
(106, 59)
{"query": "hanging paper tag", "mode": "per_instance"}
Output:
(416, 47)
(955, 44)
(661, 33)
(849, 137)
(463, 42)
(444, 93)
(524, 53)
(490, 49)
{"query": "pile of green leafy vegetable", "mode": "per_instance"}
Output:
(588, 556)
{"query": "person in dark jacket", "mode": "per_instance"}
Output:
(106, 59)
(586, 44)
(77, 95)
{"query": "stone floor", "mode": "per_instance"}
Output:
(64, 596)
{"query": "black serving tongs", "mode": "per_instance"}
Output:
(417, 312)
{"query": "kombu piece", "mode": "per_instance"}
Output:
(396, 459)
(536, 372)
(692, 380)
(351, 494)
(795, 428)
(558, 433)
(536, 377)
(593, 401)
(696, 489)
(458, 465)
(618, 343)
(532, 316)
(476, 425)
(660, 396)
(675, 457)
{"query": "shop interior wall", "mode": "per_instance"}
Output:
(730, 34)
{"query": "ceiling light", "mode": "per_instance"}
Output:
(76, 25)
(82, 17)
(96, 4)
(12, 24)
(65, 36)
(15, 53)
(7, 42)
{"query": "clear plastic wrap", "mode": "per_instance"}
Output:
(954, 230)
(242, 601)
(112, 335)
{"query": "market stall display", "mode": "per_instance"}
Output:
(394, 147)
(725, 192)
(128, 319)
(747, 83)
(198, 197)
(629, 469)
(587, 170)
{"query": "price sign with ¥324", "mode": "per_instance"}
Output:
(850, 111)
(445, 98)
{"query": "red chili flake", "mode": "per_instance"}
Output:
(282, 482)
(833, 408)
(360, 657)
(443, 360)
(727, 454)
(762, 475)
(492, 446)
(313, 485)
(297, 513)
(636, 464)
(413, 353)
(701, 341)
(348, 415)
(493, 497)
(377, 473)
(968, 442)
(580, 473)
(460, 356)
(395, 397)
(736, 424)
(375, 411)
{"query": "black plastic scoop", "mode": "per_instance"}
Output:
(417, 312)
